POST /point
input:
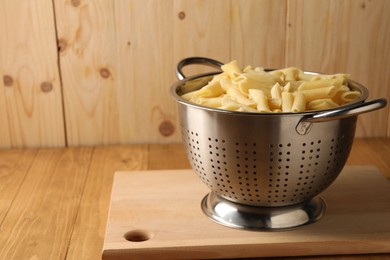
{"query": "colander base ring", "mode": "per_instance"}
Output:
(246, 217)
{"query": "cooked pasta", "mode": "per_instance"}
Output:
(299, 104)
(260, 99)
(284, 90)
(287, 101)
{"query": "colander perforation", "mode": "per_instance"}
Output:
(267, 174)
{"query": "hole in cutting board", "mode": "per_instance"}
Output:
(138, 235)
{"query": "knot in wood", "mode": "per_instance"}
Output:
(75, 3)
(182, 15)
(8, 80)
(46, 86)
(166, 128)
(105, 73)
(62, 44)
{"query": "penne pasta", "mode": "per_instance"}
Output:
(236, 95)
(287, 101)
(349, 96)
(231, 69)
(284, 90)
(248, 68)
(244, 108)
(209, 102)
(226, 84)
(276, 91)
(319, 93)
(288, 88)
(278, 75)
(261, 100)
(321, 104)
(309, 85)
(213, 89)
(343, 97)
(291, 74)
(188, 96)
(299, 104)
(230, 104)
(275, 103)
(250, 80)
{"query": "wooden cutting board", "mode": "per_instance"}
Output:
(157, 215)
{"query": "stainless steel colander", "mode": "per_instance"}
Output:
(265, 170)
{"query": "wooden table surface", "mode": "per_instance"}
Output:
(54, 202)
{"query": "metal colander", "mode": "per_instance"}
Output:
(263, 160)
(267, 170)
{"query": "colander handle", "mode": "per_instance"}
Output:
(305, 123)
(195, 60)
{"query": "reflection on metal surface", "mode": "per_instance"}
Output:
(298, 216)
(241, 216)
(224, 210)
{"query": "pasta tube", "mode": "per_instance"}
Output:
(287, 101)
(309, 85)
(236, 95)
(188, 96)
(276, 97)
(261, 100)
(275, 103)
(299, 104)
(231, 69)
(319, 93)
(319, 104)
(248, 81)
(208, 102)
(343, 97)
(276, 91)
(288, 88)
(291, 74)
(349, 96)
(213, 89)
(230, 104)
(226, 84)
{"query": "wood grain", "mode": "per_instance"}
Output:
(203, 30)
(31, 112)
(344, 36)
(87, 57)
(158, 205)
(54, 202)
(40, 222)
(76, 73)
(149, 29)
(14, 166)
(89, 228)
(168, 156)
(117, 68)
(252, 24)
(374, 151)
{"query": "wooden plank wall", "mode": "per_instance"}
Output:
(31, 109)
(82, 72)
